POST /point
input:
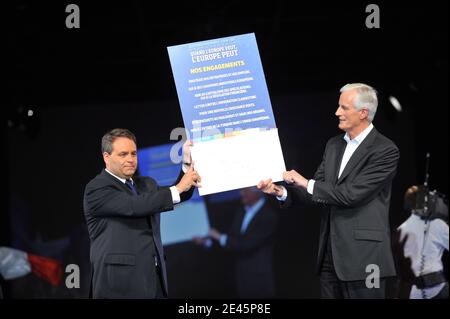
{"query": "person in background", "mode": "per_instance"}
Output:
(251, 240)
(425, 237)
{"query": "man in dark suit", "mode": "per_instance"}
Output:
(353, 184)
(122, 214)
(251, 239)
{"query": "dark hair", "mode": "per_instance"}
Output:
(111, 136)
(410, 199)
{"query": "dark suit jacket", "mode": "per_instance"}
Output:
(124, 231)
(253, 251)
(356, 206)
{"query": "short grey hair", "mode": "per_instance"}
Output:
(109, 138)
(366, 98)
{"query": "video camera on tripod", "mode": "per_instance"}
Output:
(428, 204)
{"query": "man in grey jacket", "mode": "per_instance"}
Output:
(353, 184)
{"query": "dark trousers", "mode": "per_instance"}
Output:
(333, 288)
(160, 291)
(443, 294)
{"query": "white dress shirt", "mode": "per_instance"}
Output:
(352, 145)
(425, 244)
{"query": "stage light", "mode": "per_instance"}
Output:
(395, 103)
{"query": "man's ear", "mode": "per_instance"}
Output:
(106, 156)
(364, 114)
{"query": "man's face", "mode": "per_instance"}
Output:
(349, 117)
(123, 159)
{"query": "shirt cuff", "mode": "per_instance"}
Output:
(310, 186)
(185, 168)
(175, 195)
(223, 240)
(284, 196)
(186, 158)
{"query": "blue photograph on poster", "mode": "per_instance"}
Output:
(221, 86)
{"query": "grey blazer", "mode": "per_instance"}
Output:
(356, 206)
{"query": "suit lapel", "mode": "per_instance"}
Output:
(116, 181)
(140, 187)
(340, 148)
(357, 156)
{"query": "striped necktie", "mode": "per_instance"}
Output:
(131, 186)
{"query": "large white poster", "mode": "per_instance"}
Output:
(227, 112)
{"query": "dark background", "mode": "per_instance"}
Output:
(114, 72)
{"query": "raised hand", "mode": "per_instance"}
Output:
(187, 152)
(292, 177)
(189, 179)
(270, 188)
